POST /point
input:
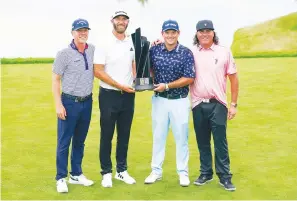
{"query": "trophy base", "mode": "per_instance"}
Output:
(142, 84)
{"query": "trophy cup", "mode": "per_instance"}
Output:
(143, 79)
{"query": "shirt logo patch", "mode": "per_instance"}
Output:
(77, 60)
(131, 49)
(216, 61)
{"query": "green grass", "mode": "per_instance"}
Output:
(274, 38)
(29, 60)
(262, 140)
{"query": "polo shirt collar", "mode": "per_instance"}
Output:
(125, 39)
(212, 47)
(73, 46)
(176, 49)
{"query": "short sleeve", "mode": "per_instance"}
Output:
(60, 63)
(189, 65)
(100, 55)
(230, 64)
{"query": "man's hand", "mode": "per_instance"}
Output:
(61, 112)
(159, 87)
(231, 112)
(156, 42)
(127, 89)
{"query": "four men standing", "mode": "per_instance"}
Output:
(174, 68)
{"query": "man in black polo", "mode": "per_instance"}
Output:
(173, 70)
(73, 67)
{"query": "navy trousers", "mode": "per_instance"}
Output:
(212, 118)
(74, 128)
(116, 109)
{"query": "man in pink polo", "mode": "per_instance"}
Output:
(210, 108)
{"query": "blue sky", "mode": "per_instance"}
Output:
(39, 28)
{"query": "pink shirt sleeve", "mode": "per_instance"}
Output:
(230, 64)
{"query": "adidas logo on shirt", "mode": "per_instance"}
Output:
(131, 49)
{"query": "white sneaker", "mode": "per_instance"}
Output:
(184, 180)
(81, 179)
(125, 177)
(62, 186)
(107, 180)
(152, 178)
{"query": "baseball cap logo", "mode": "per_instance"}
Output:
(81, 22)
(205, 24)
(122, 12)
(170, 24)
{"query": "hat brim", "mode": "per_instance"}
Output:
(170, 29)
(81, 28)
(205, 29)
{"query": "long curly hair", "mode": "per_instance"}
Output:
(215, 39)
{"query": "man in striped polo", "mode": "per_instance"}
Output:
(114, 65)
(73, 68)
(173, 70)
(209, 102)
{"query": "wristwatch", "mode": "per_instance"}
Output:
(166, 87)
(234, 104)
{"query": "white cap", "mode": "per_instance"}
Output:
(120, 12)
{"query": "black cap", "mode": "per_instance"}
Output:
(204, 24)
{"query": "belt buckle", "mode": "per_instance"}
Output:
(205, 100)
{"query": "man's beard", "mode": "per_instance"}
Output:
(119, 30)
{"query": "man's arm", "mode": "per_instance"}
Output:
(234, 95)
(100, 73)
(134, 69)
(60, 110)
(234, 87)
(181, 82)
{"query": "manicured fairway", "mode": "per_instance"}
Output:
(262, 140)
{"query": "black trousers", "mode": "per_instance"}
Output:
(212, 118)
(116, 109)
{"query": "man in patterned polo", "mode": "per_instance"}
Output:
(172, 70)
(73, 67)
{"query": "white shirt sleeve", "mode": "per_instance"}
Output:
(100, 55)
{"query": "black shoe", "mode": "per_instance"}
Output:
(202, 179)
(227, 184)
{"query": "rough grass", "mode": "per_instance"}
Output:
(274, 38)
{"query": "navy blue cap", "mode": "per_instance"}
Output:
(204, 24)
(170, 25)
(80, 23)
